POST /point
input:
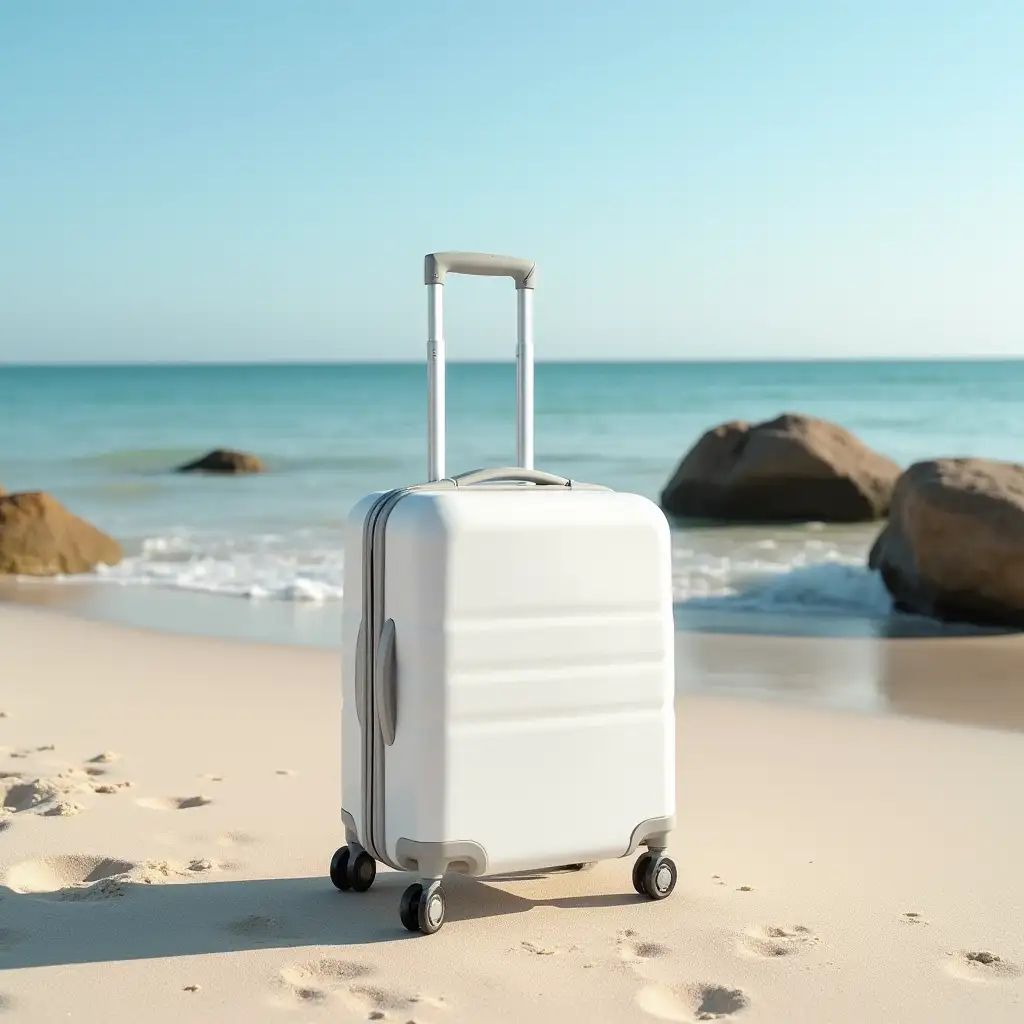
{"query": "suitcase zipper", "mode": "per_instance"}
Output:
(365, 666)
(374, 534)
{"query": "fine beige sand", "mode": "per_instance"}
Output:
(171, 805)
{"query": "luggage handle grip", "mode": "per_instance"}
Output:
(480, 264)
(533, 476)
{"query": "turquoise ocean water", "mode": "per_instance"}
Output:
(105, 439)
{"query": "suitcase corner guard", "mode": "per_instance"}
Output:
(652, 833)
(432, 860)
(351, 832)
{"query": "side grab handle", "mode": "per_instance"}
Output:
(385, 683)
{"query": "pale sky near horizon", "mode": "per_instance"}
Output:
(251, 181)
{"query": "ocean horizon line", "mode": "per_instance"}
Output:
(690, 361)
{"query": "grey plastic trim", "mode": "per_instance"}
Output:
(385, 683)
(351, 832)
(481, 264)
(432, 860)
(360, 670)
(652, 833)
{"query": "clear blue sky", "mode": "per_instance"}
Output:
(219, 179)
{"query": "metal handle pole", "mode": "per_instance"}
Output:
(435, 383)
(524, 377)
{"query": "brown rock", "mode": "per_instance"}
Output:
(40, 537)
(953, 547)
(224, 460)
(791, 469)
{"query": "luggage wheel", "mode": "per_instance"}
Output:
(422, 907)
(654, 875)
(353, 868)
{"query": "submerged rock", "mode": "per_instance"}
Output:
(224, 460)
(793, 468)
(40, 537)
(953, 547)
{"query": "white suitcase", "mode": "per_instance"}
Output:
(508, 675)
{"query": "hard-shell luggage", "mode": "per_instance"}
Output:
(508, 675)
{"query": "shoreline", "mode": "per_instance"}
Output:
(172, 803)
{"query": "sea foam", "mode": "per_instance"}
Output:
(809, 575)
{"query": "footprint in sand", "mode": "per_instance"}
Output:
(43, 795)
(314, 981)
(18, 796)
(255, 927)
(173, 803)
(377, 1001)
(982, 965)
(76, 877)
(318, 981)
(212, 778)
(688, 1003)
(107, 757)
(633, 948)
(775, 940)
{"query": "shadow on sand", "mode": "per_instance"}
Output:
(149, 921)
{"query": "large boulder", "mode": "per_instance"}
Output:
(224, 460)
(40, 537)
(953, 547)
(790, 469)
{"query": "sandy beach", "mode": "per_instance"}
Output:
(171, 804)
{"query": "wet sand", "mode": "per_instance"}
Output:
(904, 666)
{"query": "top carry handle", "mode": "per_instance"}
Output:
(524, 272)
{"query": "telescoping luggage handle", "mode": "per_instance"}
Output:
(524, 272)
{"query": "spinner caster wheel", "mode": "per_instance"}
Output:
(654, 875)
(339, 869)
(348, 872)
(362, 871)
(422, 910)
(408, 908)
